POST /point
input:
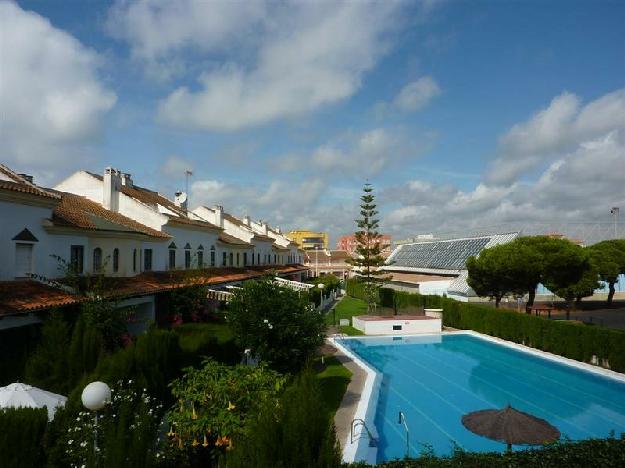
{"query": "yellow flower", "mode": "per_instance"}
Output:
(195, 443)
(171, 432)
(231, 406)
(205, 444)
(193, 413)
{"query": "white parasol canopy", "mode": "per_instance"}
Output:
(19, 395)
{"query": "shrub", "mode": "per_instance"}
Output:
(22, 432)
(295, 433)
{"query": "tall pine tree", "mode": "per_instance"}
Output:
(368, 259)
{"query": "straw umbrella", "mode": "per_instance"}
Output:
(510, 426)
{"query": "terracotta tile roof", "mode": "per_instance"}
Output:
(231, 240)
(153, 199)
(80, 212)
(21, 184)
(28, 296)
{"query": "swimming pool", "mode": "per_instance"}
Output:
(436, 379)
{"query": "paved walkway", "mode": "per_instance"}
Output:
(345, 414)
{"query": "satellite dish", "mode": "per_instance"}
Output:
(181, 198)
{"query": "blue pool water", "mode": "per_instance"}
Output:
(434, 380)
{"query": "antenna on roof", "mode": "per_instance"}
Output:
(187, 173)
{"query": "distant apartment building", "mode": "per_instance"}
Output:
(349, 244)
(309, 240)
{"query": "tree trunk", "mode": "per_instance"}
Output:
(497, 301)
(611, 293)
(530, 301)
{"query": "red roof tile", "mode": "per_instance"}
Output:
(21, 184)
(28, 296)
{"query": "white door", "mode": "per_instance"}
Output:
(23, 260)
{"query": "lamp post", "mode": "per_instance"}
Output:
(320, 286)
(316, 261)
(94, 397)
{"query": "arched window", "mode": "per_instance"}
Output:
(115, 260)
(223, 260)
(231, 259)
(172, 256)
(244, 258)
(212, 255)
(134, 260)
(238, 258)
(97, 259)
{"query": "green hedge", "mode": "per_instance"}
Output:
(573, 340)
(604, 453)
(22, 432)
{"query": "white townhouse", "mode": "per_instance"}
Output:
(194, 241)
(294, 254)
(261, 246)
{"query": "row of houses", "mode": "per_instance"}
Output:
(106, 225)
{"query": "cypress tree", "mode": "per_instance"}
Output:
(368, 259)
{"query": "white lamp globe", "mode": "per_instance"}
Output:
(320, 285)
(96, 395)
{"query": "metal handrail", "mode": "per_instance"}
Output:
(402, 419)
(356, 422)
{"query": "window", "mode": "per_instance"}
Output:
(238, 257)
(223, 262)
(396, 327)
(231, 259)
(97, 259)
(23, 259)
(213, 256)
(187, 259)
(76, 258)
(258, 259)
(134, 260)
(172, 259)
(115, 260)
(253, 258)
(244, 258)
(275, 259)
(200, 259)
(147, 260)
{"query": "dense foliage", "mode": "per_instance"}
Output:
(214, 401)
(296, 432)
(604, 453)
(21, 434)
(609, 260)
(368, 258)
(126, 431)
(519, 266)
(276, 323)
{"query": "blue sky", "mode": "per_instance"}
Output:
(462, 114)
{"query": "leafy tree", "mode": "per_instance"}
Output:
(23, 431)
(298, 432)
(491, 274)
(564, 267)
(609, 258)
(214, 401)
(276, 323)
(368, 259)
(47, 367)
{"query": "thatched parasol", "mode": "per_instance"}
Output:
(511, 426)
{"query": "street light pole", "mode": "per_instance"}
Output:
(317, 261)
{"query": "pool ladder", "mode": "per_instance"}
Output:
(356, 422)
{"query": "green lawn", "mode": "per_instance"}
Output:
(345, 309)
(333, 381)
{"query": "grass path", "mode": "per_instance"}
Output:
(345, 309)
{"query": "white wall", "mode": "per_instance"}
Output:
(408, 327)
(195, 238)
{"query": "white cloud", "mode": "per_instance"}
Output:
(175, 167)
(52, 102)
(561, 126)
(418, 94)
(287, 59)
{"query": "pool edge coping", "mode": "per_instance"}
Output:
(368, 401)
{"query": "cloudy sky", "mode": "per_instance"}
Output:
(462, 114)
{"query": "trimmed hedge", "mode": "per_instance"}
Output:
(604, 453)
(22, 432)
(573, 340)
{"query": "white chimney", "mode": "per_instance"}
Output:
(219, 215)
(112, 183)
(265, 227)
(180, 200)
(126, 180)
(278, 230)
(246, 220)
